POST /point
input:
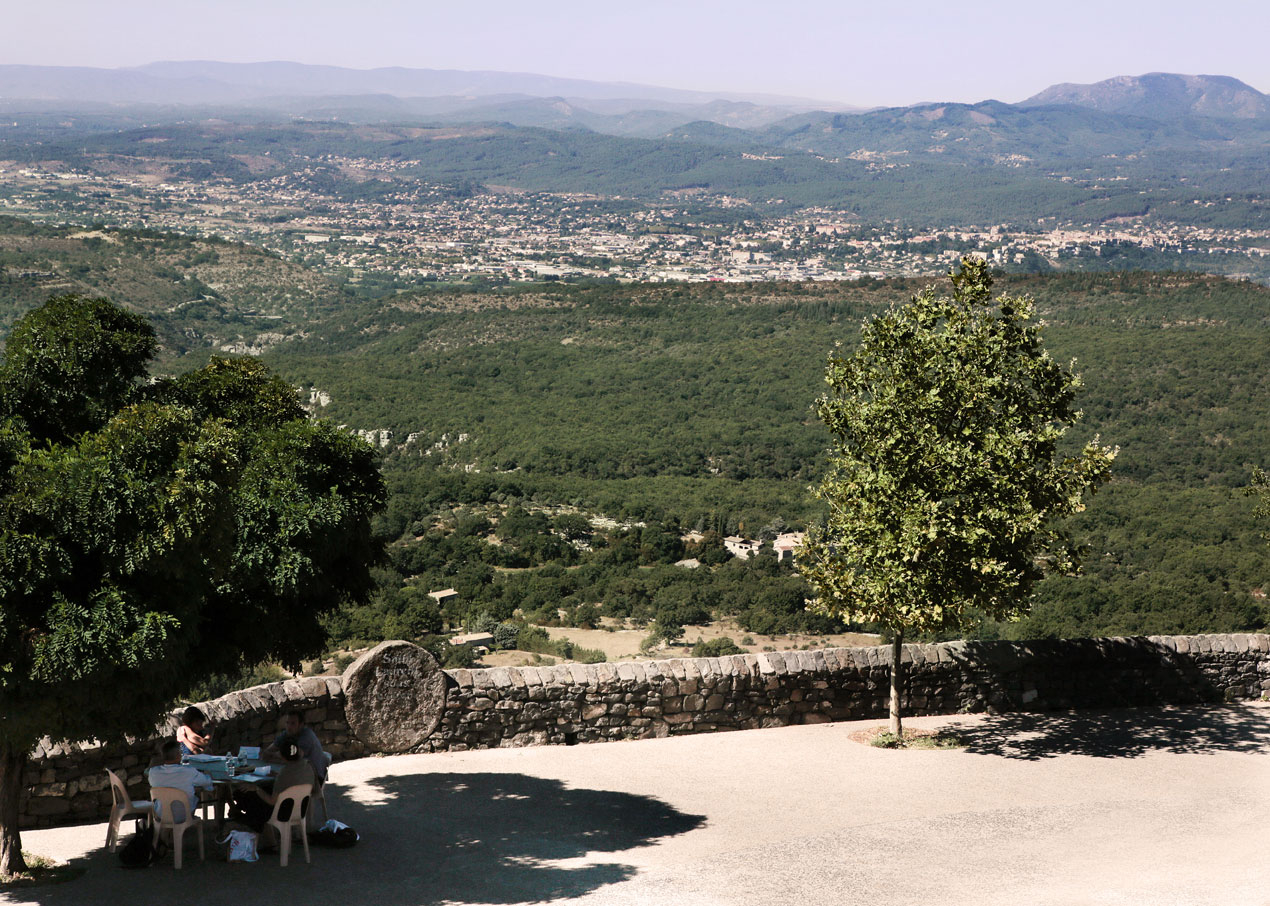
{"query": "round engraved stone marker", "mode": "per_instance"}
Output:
(393, 696)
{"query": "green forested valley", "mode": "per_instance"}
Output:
(689, 407)
(514, 421)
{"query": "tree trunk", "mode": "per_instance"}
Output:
(12, 764)
(897, 676)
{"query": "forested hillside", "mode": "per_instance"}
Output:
(691, 406)
(199, 293)
(510, 418)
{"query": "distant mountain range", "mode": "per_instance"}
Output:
(1178, 148)
(525, 99)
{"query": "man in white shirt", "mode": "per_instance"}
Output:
(178, 776)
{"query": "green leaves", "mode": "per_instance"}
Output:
(154, 535)
(70, 364)
(944, 474)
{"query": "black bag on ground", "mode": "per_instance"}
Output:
(143, 847)
(335, 835)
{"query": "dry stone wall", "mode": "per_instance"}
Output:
(590, 703)
(574, 703)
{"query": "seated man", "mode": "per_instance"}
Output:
(178, 776)
(295, 729)
(256, 805)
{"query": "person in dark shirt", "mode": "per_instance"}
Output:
(295, 729)
(254, 806)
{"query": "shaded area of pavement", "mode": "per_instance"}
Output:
(426, 838)
(1120, 734)
(1140, 806)
(501, 838)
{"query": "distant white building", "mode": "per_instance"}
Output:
(741, 547)
(785, 544)
(479, 642)
(443, 596)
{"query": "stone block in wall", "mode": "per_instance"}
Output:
(312, 687)
(256, 699)
(43, 806)
(94, 781)
(271, 695)
(314, 716)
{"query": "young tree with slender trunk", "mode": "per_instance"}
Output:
(946, 480)
(153, 534)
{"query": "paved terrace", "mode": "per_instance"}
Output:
(1143, 806)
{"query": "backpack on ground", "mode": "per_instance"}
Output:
(335, 834)
(143, 848)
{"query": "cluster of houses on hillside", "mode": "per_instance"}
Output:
(783, 545)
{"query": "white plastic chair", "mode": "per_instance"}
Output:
(170, 802)
(298, 796)
(122, 806)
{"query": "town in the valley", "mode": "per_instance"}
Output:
(421, 233)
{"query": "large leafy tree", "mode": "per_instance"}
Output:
(946, 477)
(153, 533)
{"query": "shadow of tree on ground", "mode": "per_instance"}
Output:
(1120, 733)
(425, 838)
(495, 838)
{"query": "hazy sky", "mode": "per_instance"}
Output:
(870, 53)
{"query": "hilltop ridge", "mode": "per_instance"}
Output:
(1161, 95)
